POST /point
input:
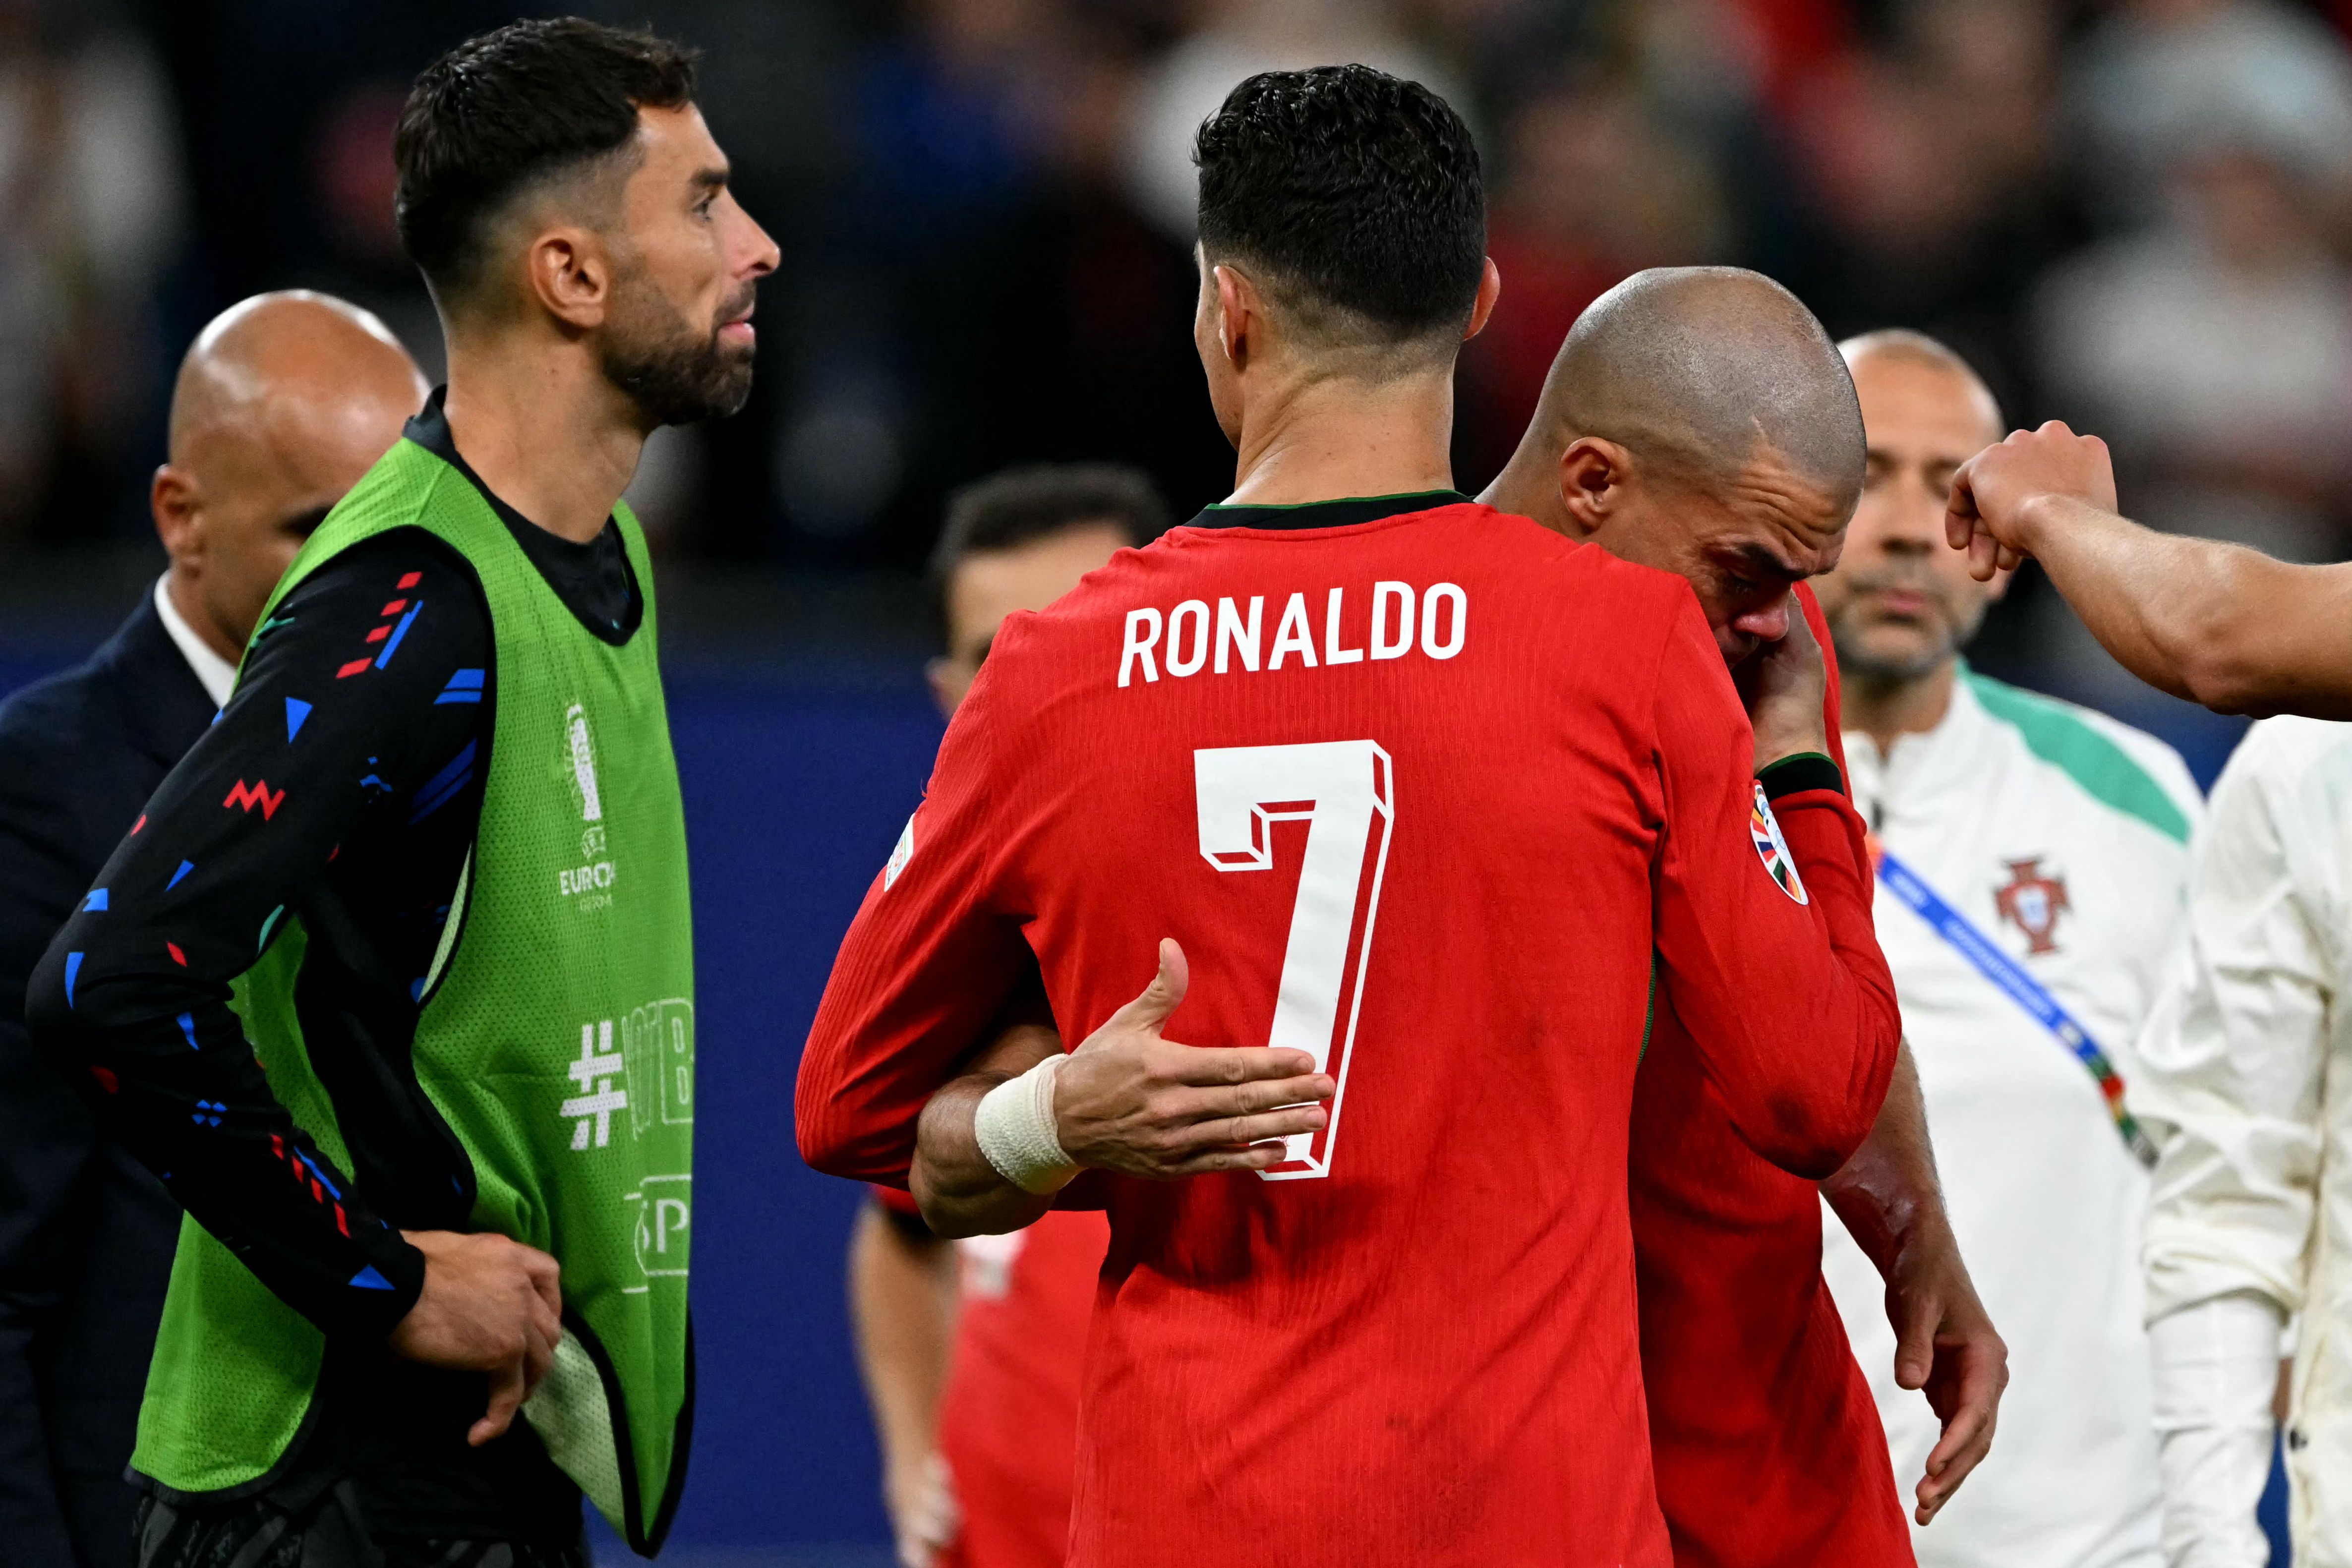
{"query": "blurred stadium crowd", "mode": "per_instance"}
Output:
(2132, 215)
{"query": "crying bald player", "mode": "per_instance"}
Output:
(1699, 421)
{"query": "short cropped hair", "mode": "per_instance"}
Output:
(509, 111)
(1021, 506)
(1355, 196)
(1913, 348)
(1692, 368)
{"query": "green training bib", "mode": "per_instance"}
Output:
(556, 1039)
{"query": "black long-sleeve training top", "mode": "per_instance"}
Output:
(341, 784)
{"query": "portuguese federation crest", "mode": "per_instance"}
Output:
(2032, 903)
(1764, 831)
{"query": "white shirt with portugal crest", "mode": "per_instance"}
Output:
(2062, 835)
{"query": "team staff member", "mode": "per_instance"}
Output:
(2024, 837)
(282, 402)
(2246, 1081)
(1284, 1364)
(986, 1473)
(1766, 1444)
(436, 844)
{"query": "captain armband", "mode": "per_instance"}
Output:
(1017, 1134)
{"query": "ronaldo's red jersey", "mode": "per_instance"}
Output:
(1766, 1439)
(1439, 797)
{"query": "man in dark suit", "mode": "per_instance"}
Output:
(282, 403)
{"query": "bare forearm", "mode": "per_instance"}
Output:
(902, 1307)
(1889, 1188)
(961, 1193)
(2216, 624)
(1945, 1344)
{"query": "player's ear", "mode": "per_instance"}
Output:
(1490, 288)
(569, 274)
(1592, 475)
(171, 498)
(1241, 313)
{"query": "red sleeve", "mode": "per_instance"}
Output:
(1790, 1004)
(928, 966)
(1832, 720)
(1833, 725)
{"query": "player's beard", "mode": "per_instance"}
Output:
(678, 373)
(1952, 625)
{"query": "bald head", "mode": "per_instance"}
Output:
(290, 363)
(1901, 605)
(1692, 369)
(283, 402)
(1901, 347)
(1698, 420)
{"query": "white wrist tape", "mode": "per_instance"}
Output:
(1018, 1133)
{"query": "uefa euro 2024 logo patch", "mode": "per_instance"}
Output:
(1764, 831)
(590, 883)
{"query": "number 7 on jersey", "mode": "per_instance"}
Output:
(1341, 789)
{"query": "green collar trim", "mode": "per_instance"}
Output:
(2058, 734)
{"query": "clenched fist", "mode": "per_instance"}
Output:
(2000, 495)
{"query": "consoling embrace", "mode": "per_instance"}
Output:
(1587, 890)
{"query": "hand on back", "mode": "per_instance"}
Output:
(1132, 1101)
(489, 1304)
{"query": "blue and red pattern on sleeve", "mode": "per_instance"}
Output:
(323, 792)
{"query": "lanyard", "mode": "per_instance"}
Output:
(2022, 988)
